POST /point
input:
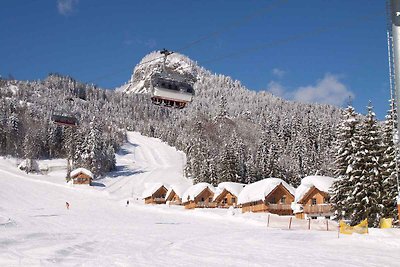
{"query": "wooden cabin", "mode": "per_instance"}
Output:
(225, 199)
(175, 193)
(155, 194)
(199, 196)
(173, 198)
(315, 204)
(271, 195)
(312, 198)
(228, 194)
(81, 176)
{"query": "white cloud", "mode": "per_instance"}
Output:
(66, 7)
(278, 72)
(276, 89)
(328, 90)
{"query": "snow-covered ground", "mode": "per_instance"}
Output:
(36, 229)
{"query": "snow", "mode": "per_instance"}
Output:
(143, 160)
(99, 229)
(81, 170)
(322, 183)
(233, 188)
(259, 190)
(195, 190)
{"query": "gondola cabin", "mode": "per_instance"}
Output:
(64, 120)
(170, 90)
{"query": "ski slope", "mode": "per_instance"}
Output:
(143, 160)
(36, 229)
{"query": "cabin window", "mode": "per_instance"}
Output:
(313, 201)
(273, 200)
(313, 217)
(283, 200)
(327, 217)
(202, 199)
(210, 199)
(233, 200)
(225, 201)
(326, 200)
(163, 196)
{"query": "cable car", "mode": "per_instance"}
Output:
(65, 118)
(170, 89)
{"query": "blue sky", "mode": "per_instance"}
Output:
(101, 41)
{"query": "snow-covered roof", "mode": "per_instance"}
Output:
(195, 190)
(179, 189)
(322, 183)
(82, 170)
(259, 190)
(233, 188)
(151, 188)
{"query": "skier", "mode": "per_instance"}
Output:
(67, 205)
(127, 202)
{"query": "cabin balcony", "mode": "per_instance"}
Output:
(317, 209)
(273, 207)
(206, 205)
(159, 200)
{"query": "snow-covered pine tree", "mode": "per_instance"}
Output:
(228, 165)
(345, 152)
(365, 200)
(390, 179)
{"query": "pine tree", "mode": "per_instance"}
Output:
(345, 153)
(390, 180)
(366, 177)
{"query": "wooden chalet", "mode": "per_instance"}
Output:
(200, 195)
(175, 193)
(312, 198)
(81, 176)
(271, 195)
(155, 194)
(228, 194)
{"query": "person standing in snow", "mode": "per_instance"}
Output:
(67, 205)
(127, 202)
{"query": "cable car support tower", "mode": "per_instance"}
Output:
(393, 35)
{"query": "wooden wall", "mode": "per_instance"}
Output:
(81, 178)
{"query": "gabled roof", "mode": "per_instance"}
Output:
(259, 190)
(231, 187)
(192, 192)
(81, 170)
(322, 183)
(151, 188)
(178, 189)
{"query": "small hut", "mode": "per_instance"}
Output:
(269, 195)
(227, 194)
(312, 198)
(200, 195)
(81, 176)
(175, 193)
(155, 193)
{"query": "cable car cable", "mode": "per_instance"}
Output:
(232, 25)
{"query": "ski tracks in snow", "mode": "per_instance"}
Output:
(144, 160)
